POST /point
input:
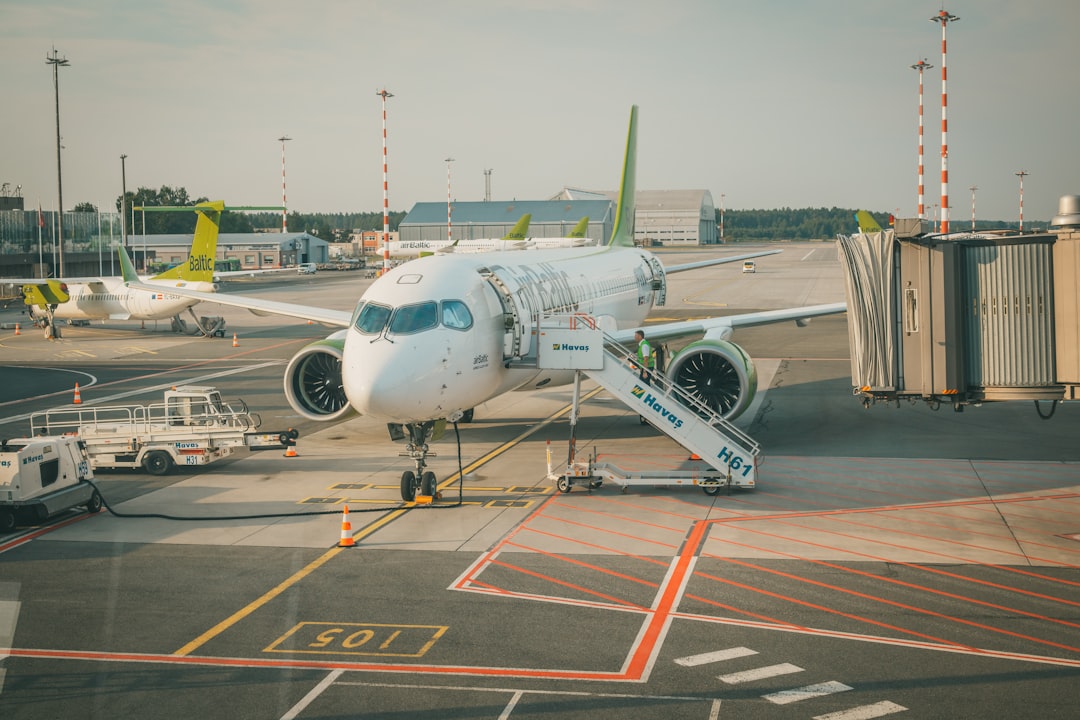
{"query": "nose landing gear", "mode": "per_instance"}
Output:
(421, 481)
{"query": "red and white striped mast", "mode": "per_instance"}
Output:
(973, 189)
(920, 66)
(944, 18)
(283, 139)
(385, 194)
(1021, 175)
(449, 234)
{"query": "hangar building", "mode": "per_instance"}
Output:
(664, 217)
(491, 219)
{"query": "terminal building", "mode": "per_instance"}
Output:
(245, 251)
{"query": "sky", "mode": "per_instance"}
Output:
(766, 104)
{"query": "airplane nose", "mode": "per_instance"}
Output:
(395, 381)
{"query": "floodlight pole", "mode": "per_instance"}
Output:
(385, 196)
(284, 228)
(920, 66)
(449, 233)
(944, 18)
(1021, 175)
(973, 189)
(57, 62)
(123, 200)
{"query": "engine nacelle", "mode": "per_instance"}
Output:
(313, 383)
(718, 373)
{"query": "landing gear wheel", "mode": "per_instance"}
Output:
(408, 486)
(93, 505)
(427, 483)
(7, 520)
(563, 484)
(467, 416)
(711, 489)
(157, 462)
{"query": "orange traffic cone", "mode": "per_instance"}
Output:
(346, 530)
(78, 397)
(235, 342)
(291, 452)
(17, 329)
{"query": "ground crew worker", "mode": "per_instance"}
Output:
(646, 359)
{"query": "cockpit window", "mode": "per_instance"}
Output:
(372, 318)
(456, 315)
(414, 318)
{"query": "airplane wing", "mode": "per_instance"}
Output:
(669, 269)
(684, 328)
(258, 306)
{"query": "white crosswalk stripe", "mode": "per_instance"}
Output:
(760, 673)
(810, 691)
(716, 656)
(864, 712)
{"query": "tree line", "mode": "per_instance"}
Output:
(739, 225)
(326, 226)
(813, 224)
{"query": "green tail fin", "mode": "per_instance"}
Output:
(199, 266)
(127, 269)
(623, 232)
(866, 221)
(581, 228)
(520, 228)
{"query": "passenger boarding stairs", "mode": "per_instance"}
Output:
(576, 342)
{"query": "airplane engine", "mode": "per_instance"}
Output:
(718, 373)
(313, 383)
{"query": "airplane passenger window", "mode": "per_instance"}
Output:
(414, 318)
(372, 319)
(456, 315)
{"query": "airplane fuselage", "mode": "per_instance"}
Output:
(414, 248)
(109, 299)
(431, 337)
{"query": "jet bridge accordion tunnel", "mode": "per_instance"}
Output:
(965, 318)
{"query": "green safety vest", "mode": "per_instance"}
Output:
(645, 355)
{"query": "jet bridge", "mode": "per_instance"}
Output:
(965, 318)
(730, 456)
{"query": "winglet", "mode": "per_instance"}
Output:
(200, 263)
(520, 228)
(623, 232)
(866, 221)
(581, 228)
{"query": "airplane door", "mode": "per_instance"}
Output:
(658, 281)
(518, 322)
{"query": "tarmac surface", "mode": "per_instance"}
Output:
(893, 561)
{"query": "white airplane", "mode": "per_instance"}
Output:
(111, 298)
(576, 238)
(513, 240)
(434, 338)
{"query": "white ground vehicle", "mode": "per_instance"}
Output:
(192, 427)
(42, 476)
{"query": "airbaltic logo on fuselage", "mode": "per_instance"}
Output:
(568, 346)
(200, 263)
(654, 402)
